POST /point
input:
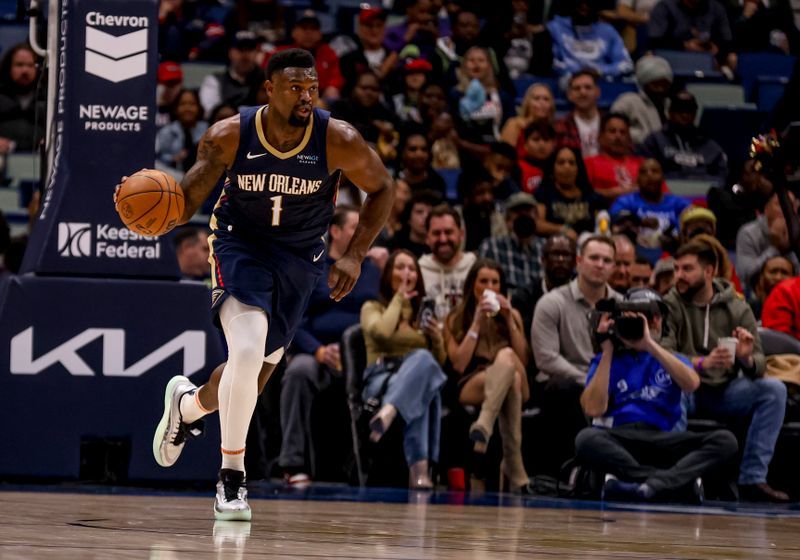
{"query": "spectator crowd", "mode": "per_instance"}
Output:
(521, 217)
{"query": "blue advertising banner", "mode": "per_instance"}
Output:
(83, 359)
(104, 126)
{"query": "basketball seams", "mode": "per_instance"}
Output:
(167, 188)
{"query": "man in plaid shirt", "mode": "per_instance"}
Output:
(580, 129)
(518, 253)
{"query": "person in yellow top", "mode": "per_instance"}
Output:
(487, 347)
(404, 364)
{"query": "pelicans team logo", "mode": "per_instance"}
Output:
(116, 58)
(74, 239)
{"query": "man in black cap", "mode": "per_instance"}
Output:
(307, 35)
(633, 392)
(681, 149)
(240, 82)
(520, 252)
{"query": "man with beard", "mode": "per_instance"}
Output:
(646, 109)
(633, 393)
(446, 266)
(681, 149)
(624, 258)
(19, 103)
(519, 253)
(558, 265)
(561, 340)
(706, 319)
(283, 162)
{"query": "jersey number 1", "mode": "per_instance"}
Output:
(277, 208)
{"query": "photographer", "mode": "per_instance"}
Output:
(633, 391)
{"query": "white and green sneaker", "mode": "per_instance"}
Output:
(230, 503)
(171, 433)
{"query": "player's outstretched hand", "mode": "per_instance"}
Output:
(343, 276)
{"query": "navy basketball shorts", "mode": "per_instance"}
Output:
(267, 276)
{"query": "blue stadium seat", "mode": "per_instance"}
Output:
(523, 82)
(8, 10)
(609, 91)
(769, 91)
(691, 65)
(752, 66)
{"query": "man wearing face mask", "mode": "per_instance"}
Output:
(633, 393)
(681, 149)
(717, 331)
(581, 41)
(518, 253)
(558, 267)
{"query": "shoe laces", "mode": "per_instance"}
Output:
(232, 482)
(185, 431)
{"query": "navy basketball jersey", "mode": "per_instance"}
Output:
(274, 196)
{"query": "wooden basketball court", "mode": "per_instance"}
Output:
(65, 525)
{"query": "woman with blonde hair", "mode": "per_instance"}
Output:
(480, 105)
(537, 104)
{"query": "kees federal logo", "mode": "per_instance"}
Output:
(116, 58)
(74, 239)
(78, 239)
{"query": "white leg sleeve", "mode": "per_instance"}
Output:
(245, 329)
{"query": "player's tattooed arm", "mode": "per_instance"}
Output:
(348, 151)
(215, 153)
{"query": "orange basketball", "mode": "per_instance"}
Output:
(150, 202)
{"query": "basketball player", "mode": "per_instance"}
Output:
(283, 163)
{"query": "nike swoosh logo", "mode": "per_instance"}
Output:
(251, 156)
(318, 257)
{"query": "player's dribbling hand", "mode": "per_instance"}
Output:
(343, 276)
(119, 185)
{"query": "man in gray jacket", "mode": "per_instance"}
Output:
(717, 331)
(562, 342)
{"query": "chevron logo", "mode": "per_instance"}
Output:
(116, 59)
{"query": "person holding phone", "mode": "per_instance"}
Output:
(704, 311)
(404, 361)
(487, 347)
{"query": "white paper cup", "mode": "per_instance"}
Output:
(728, 342)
